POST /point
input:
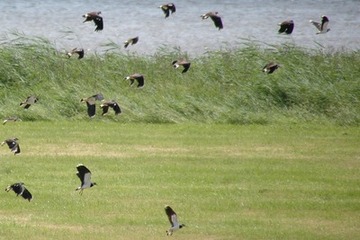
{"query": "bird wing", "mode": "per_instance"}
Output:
(116, 108)
(186, 67)
(26, 194)
(99, 23)
(316, 24)
(283, 27)
(166, 10)
(98, 96)
(324, 25)
(174, 220)
(91, 109)
(290, 28)
(170, 213)
(82, 171)
(105, 108)
(140, 80)
(217, 21)
(172, 7)
(87, 179)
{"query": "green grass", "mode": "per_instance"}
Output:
(293, 181)
(224, 86)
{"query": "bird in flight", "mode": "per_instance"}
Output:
(185, 64)
(84, 175)
(131, 41)
(96, 18)
(79, 51)
(168, 8)
(20, 189)
(323, 26)
(90, 103)
(29, 101)
(138, 77)
(286, 26)
(114, 105)
(215, 18)
(12, 144)
(173, 220)
(270, 67)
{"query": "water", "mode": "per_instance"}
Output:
(61, 22)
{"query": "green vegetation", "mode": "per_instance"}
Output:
(224, 181)
(225, 86)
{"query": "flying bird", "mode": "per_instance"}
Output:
(90, 103)
(168, 8)
(12, 144)
(29, 101)
(286, 26)
(85, 177)
(138, 77)
(19, 189)
(79, 51)
(131, 41)
(96, 18)
(11, 119)
(215, 17)
(112, 104)
(173, 220)
(323, 26)
(270, 67)
(185, 64)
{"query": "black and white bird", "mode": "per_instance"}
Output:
(286, 26)
(185, 64)
(270, 67)
(85, 177)
(112, 104)
(168, 8)
(131, 41)
(11, 119)
(96, 18)
(323, 26)
(20, 189)
(12, 144)
(30, 100)
(173, 220)
(79, 51)
(90, 103)
(215, 18)
(138, 77)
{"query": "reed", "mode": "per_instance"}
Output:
(225, 86)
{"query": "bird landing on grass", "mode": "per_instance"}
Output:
(173, 221)
(84, 175)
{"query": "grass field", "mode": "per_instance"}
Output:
(293, 181)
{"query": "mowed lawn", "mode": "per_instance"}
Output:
(295, 181)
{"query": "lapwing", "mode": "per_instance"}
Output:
(323, 26)
(29, 101)
(270, 67)
(131, 41)
(114, 105)
(96, 18)
(20, 189)
(11, 119)
(12, 144)
(215, 17)
(79, 51)
(85, 177)
(138, 77)
(168, 8)
(90, 103)
(286, 26)
(185, 64)
(173, 220)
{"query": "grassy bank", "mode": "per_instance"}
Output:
(224, 181)
(227, 86)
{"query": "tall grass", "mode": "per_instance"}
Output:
(224, 86)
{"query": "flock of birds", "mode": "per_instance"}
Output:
(83, 172)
